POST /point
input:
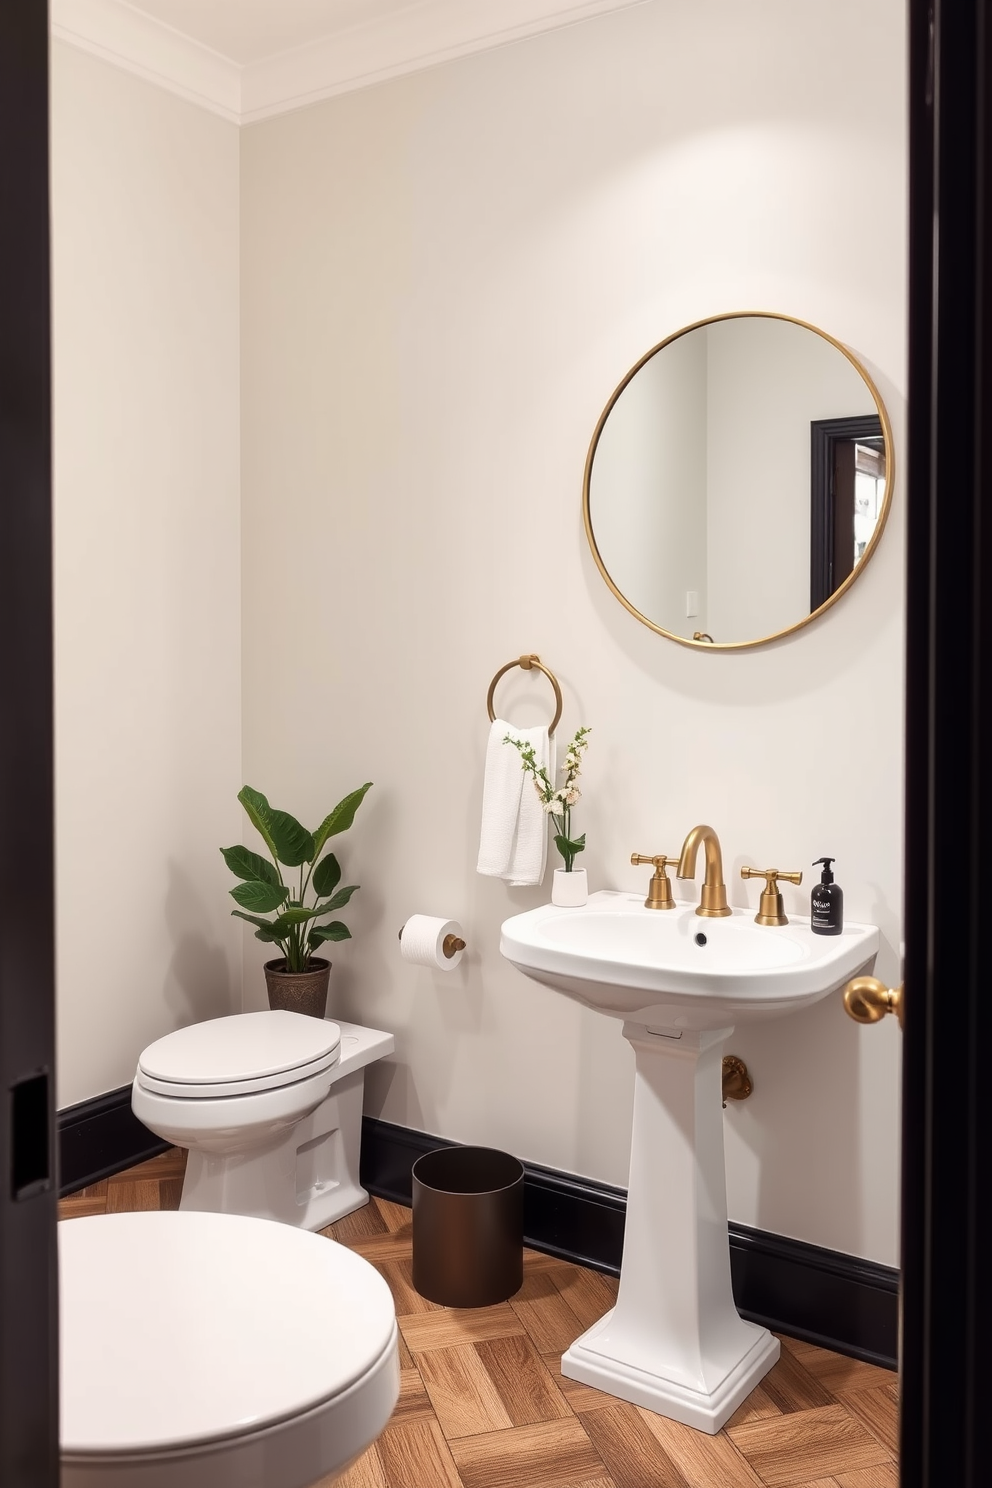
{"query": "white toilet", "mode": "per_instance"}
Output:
(270, 1107)
(217, 1351)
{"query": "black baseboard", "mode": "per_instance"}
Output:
(839, 1301)
(822, 1296)
(100, 1137)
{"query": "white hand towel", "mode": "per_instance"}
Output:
(514, 840)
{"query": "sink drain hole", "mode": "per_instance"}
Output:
(700, 939)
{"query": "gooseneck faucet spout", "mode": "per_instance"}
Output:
(713, 900)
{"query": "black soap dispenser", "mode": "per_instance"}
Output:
(826, 903)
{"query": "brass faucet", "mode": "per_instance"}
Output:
(713, 900)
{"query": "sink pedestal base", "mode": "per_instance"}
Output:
(675, 1342)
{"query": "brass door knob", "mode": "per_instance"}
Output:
(867, 1000)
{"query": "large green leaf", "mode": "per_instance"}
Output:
(259, 896)
(266, 933)
(249, 866)
(259, 814)
(334, 931)
(339, 900)
(295, 916)
(294, 844)
(326, 876)
(340, 819)
(263, 925)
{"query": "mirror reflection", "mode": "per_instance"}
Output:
(738, 480)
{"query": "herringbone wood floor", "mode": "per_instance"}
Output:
(483, 1403)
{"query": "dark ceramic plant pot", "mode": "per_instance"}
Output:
(298, 991)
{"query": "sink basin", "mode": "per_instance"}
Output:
(675, 1343)
(678, 970)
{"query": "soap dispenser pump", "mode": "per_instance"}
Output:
(826, 903)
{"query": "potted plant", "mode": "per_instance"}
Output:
(569, 888)
(297, 979)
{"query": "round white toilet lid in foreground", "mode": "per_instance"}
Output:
(183, 1328)
(243, 1046)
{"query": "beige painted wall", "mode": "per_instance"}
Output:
(147, 576)
(443, 279)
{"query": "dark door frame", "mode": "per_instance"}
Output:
(28, 1189)
(947, 1115)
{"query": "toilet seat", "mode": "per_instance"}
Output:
(217, 1350)
(238, 1054)
(229, 1124)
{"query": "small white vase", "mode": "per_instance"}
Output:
(569, 890)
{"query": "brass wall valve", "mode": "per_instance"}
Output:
(660, 888)
(737, 1084)
(771, 910)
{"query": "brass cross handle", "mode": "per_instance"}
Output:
(867, 1000)
(771, 910)
(659, 889)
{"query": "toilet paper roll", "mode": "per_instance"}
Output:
(422, 941)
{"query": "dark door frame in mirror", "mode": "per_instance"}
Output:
(825, 437)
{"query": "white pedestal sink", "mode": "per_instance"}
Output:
(675, 1342)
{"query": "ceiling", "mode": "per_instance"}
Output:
(249, 59)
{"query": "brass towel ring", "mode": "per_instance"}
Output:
(527, 662)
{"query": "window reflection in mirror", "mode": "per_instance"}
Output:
(737, 479)
(847, 486)
(869, 487)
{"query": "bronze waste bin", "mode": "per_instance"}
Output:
(468, 1226)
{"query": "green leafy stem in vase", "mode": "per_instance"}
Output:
(558, 802)
(262, 889)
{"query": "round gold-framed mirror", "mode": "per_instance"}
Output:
(738, 480)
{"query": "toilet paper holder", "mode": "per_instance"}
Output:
(450, 945)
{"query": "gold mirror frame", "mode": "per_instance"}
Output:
(872, 544)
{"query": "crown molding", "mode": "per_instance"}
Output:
(409, 40)
(416, 37)
(135, 42)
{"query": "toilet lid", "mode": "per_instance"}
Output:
(238, 1054)
(184, 1328)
